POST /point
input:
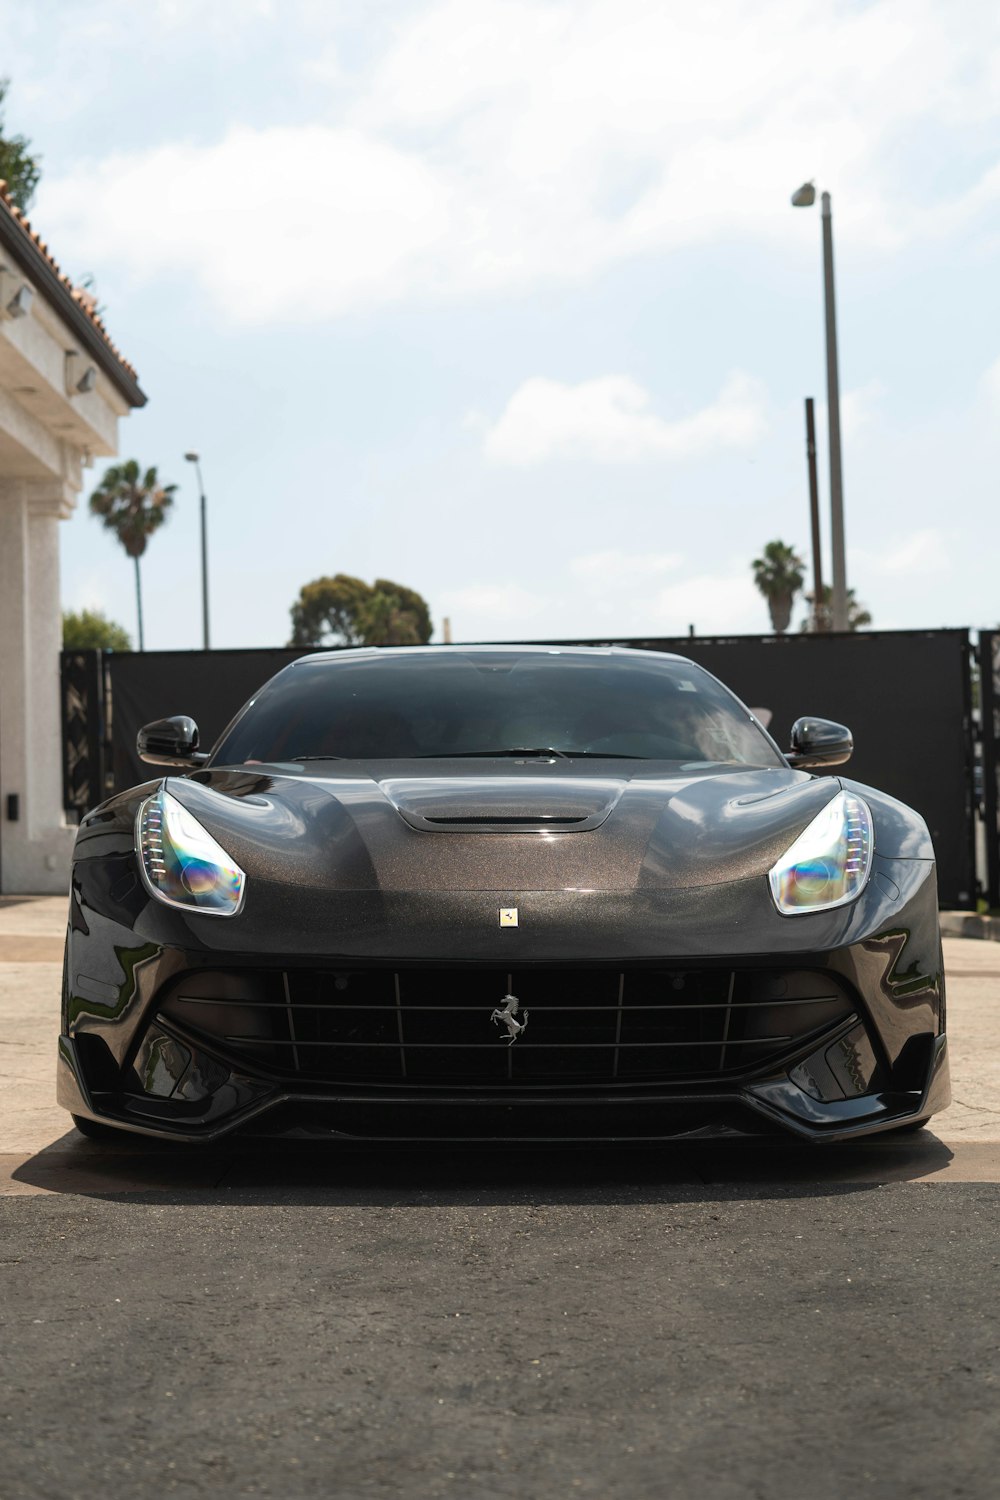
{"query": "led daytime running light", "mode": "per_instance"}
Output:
(181, 863)
(829, 863)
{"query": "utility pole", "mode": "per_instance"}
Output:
(818, 616)
(833, 417)
(805, 197)
(193, 458)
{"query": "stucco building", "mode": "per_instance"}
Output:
(63, 389)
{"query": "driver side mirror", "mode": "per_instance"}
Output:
(819, 742)
(170, 742)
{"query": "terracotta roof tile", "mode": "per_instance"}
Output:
(84, 299)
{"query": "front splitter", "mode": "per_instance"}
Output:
(762, 1109)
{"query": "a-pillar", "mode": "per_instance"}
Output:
(35, 841)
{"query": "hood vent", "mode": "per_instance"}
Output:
(503, 804)
(491, 820)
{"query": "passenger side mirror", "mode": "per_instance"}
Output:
(819, 742)
(170, 742)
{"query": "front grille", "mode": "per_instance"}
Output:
(435, 1027)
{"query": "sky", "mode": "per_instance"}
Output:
(505, 299)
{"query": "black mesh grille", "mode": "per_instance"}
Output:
(446, 1027)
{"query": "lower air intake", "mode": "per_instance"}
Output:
(449, 1027)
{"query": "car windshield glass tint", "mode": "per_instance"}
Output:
(452, 703)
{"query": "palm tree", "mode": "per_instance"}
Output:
(858, 617)
(132, 505)
(779, 575)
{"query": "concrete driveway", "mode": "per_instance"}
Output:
(748, 1324)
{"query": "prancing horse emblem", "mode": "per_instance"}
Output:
(504, 1015)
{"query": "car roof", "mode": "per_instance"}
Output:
(354, 653)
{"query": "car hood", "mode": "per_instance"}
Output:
(526, 827)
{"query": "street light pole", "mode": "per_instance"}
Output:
(804, 198)
(193, 458)
(819, 615)
(837, 544)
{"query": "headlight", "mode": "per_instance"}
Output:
(829, 863)
(180, 861)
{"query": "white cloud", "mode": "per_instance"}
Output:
(714, 603)
(624, 567)
(620, 598)
(491, 608)
(492, 144)
(925, 552)
(991, 385)
(857, 408)
(92, 591)
(608, 420)
(351, 223)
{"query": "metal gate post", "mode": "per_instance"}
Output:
(82, 683)
(989, 702)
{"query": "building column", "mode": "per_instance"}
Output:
(35, 840)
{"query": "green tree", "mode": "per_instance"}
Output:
(90, 630)
(133, 505)
(18, 167)
(394, 616)
(346, 611)
(325, 613)
(858, 617)
(779, 575)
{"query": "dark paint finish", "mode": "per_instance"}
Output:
(609, 863)
(352, 829)
(170, 742)
(889, 951)
(820, 742)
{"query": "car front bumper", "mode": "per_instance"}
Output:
(129, 1057)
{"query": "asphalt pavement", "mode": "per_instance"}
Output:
(718, 1323)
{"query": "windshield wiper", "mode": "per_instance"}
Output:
(495, 754)
(545, 750)
(602, 755)
(523, 752)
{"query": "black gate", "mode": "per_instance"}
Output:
(907, 696)
(987, 771)
(86, 730)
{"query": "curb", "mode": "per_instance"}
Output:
(967, 924)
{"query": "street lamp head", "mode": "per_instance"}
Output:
(805, 196)
(192, 458)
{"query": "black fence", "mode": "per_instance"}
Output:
(987, 770)
(86, 730)
(907, 696)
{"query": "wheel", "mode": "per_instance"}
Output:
(95, 1130)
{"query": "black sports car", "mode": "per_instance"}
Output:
(501, 893)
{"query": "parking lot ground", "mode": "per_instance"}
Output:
(714, 1324)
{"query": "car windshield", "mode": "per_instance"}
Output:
(450, 703)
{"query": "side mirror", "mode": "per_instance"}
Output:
(819, 742)
(170, 742)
